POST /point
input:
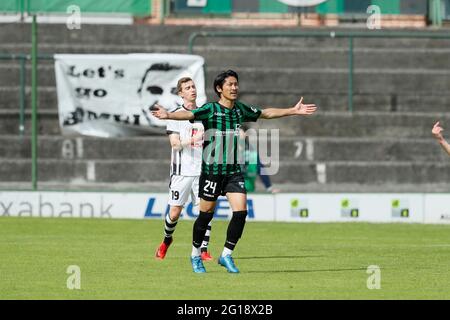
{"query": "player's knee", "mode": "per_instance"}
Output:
(175, 212)
(210, 208)
(204, 218)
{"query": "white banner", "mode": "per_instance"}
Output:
(110, 95)
(117, 206)
(350, 207)
(437, 207)
(293, 207)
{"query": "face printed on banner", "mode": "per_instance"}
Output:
(155, 86)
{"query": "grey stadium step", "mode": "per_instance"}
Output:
(97, 34)
(322, 124)
(330, 57)
(359, 149)
(175, 35)
(235, 57)
(140, 171)
(358, 124)
(290, 149)
(47, 98)
(376, 81)
(364, 172)
(395, 102)
(68, 148)
(162, 186)
(97, 48)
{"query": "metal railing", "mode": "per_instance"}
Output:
(23, 59)
(350, 35)
(34, 84)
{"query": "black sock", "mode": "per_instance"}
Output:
(235, 228)
(200, 226)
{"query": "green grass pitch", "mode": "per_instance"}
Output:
(277, 261)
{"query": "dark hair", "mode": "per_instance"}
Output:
(181, 81)
(220, 79)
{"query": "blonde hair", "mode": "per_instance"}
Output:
(181, 81)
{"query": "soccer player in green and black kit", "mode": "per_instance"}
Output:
(221, 174)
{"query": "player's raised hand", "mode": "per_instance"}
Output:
(437, 131)
(159, 112)
(304, 109)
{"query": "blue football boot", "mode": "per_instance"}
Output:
(197, 265)
(228, 263)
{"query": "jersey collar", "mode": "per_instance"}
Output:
(187, 108)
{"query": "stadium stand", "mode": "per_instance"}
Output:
(401, 88)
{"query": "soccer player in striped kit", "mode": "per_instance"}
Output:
(186, 139)
(222, 176)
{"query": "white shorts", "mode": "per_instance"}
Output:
(180, 188)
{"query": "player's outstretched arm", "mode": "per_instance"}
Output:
(299, 109)
(437, 133)
(162, 114)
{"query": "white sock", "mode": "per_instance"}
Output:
(226, 252)
(195, 252)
